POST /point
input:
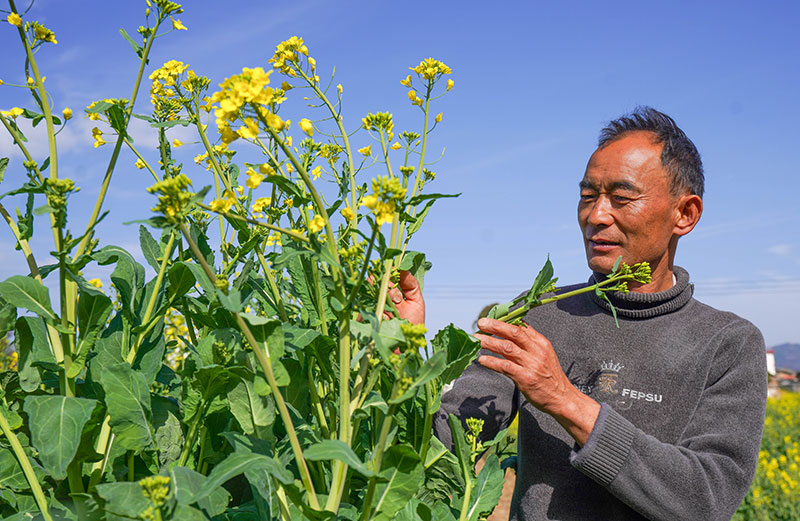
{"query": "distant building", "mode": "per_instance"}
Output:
(771, 362)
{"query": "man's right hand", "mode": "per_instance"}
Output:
(407, 298)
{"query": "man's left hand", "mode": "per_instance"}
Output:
(530, 361)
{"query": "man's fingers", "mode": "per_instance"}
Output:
(500, 365)
(409, 286)
(520, 335)
(502, 347)
(395, 295)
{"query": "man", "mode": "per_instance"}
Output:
(659, 418)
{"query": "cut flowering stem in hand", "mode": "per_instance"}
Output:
(621, 274)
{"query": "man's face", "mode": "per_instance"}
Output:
(626, 207)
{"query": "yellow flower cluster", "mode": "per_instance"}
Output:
(225, 203)
(249, 87)
(42, 33)
(388, 192)
(97, 134)
(431, 69)
(156, 489)
(415, 334)
(316, 224)
(173, 197)
(287, 52)
(381, 121)
(15, 19)
(775, 492)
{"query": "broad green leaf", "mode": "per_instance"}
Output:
(460, 348)
(415, 510)
(415, 262)
(254, 413)
(267, 330)
(218, 344)
(168, 432)
(8, 317)
(238, 463)
(337, 450)
(149, 357)
(432, 368)
(33, 348)
(487, 490)
(123, 499)
(24, 292)
(150, 248)
(461, 448)
(185, 481)
(297, 337)
(93, 312)
(56, 423)
(180, 279)
(128, 275)
(128, 403)
(401, 475)
(11, 475)
(442, 474)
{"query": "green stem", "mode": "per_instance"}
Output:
(427, 428)
(524, 309)
(377, 459)
(338, 118)
(262, 355)
(151, 304)
(272, 285)
(319, 412)
(290, 233)
(26, 466)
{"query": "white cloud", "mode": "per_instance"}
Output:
(780, 249)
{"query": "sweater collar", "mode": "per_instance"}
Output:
(647, 305)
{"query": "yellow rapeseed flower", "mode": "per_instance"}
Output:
(438, 118)
(30, 81)
(274, 121)
(307, 127)
(261, 203)
(177, 24)
(407, 81)
(265, 169)
(221, 205)
(366, 151)
(412, 96)
(254, 179)
(15, 19)
(317, 172)
(67, 113)
(316, 224)
(396, 146)
(139, 164)
(340, 88)
(1, 82)
(40, 32)
(97, 283)
(249, 130)
(12, 113)
(177, 143)
(348, 213)
(97, 134)
(450, 84)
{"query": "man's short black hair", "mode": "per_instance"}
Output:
(679, 156)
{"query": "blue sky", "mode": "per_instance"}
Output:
(534, 83)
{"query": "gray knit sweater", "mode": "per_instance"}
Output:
(683, 389)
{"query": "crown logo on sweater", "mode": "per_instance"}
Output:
(610, 366)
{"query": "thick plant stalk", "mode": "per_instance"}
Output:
(26, 466)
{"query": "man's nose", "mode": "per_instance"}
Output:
(600, 213)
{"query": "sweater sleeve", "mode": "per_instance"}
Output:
(478, 393)
(707, 473)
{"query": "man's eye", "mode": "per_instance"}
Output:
(587, 197)
(621, 199)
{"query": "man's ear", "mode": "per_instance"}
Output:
(689, 209)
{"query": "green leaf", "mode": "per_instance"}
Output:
(461, 448)
(415, 510)
(236, 464)
(33, 347)
(123, 499)
(94, 308)
(128, 403)
(150, 248)
(415, 262)
(168, 432)
(185, 481)
(135, 46)
(254, 413)
(11, 475)
(461, 350)
(180, 280)
(24, 292)
(442, 474)
(128, 275)
(99, 108)
(267, 330)
(487, 490)
(337, 450)
(401, 475)
(56, 423)
(418, 199)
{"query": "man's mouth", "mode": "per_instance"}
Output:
(601, 244)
